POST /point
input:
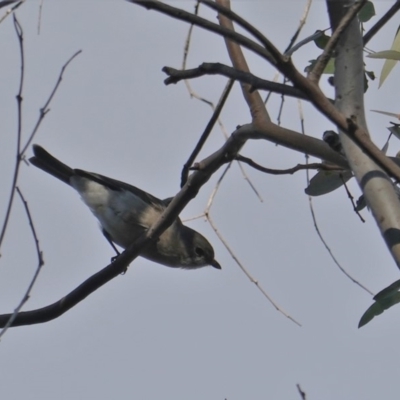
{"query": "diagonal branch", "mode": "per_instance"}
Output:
(275, 55)
(254, 101)
(203, 23)
(381, 22)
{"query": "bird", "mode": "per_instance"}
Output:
(125, 212)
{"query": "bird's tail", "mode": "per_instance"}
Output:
(51, 165)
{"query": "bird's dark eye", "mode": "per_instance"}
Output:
(199, 251)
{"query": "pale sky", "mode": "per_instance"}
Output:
(163, 333)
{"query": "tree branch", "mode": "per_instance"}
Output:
(254, 81)
(288, 171)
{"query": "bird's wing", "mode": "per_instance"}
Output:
(116, 185)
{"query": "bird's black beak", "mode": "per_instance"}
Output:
(215, 264)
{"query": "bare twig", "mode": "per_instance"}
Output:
(247, 273)
(45, 109)
(290, 49)
(40, 16)
(314, 218)
(20, 36)
(302, 394)
(328, 249)
(36, 274)
(185, 57)
(43, 112)
(233, 255)
(350, 196)
(315, 74)
(207, 131)
(288, 171)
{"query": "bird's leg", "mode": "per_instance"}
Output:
(108, 237)
(109, 240)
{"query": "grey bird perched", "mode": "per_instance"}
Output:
(126, 212)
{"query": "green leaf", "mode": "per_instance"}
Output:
(389, 64)
(327, 181)
(361, 203)
(322, 40)
(367, 12)
(329, 69)
(385, 299)
(395, 130)
(387, 113)
(388, 291)
(370, 74)
(386, 54)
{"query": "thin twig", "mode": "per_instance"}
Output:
(269, 95)
(315, 74)
(20, 36)
(298, 167)
(278, 118)
(40, 16)
(206, 132)
(247, 179)
(302, 394)
(233, 255)
(186, 54)
(26, 296)
(289, 50)
(247, 273)
(45, 109)
(350, 196)
(314, 218)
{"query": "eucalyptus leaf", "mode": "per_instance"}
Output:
(366, 12)
(386, 54)
(384, 300)
(327, 181)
